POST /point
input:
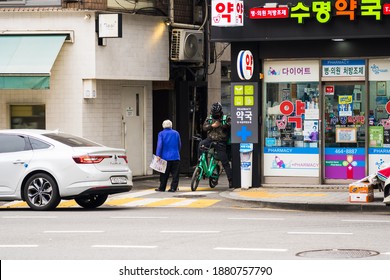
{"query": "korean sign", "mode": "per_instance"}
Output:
(244, 112)
(227, 13)
(343, 68)
(323, 11)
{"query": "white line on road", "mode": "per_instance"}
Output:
(73, 231)
(387, 253)
(29, 217)
(18, 246)
(124, 246)
(321, 233)
(189, 231)
(366, 221)
(141, 202)
(133, 194)
(197, 193)
(133, 217)
(251, 249)
(260, 219)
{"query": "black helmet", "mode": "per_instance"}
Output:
(216, 108)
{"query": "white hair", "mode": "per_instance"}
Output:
(167, 124)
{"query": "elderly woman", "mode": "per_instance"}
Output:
(168, 148)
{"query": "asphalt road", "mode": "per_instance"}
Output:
(189, 225)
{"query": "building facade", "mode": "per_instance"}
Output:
(322, 69)
(59, 70)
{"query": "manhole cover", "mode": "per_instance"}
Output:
(338, 253)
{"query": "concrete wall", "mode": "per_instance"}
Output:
(141, 54)
(214, 80)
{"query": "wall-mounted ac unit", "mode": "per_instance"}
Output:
(187, 45)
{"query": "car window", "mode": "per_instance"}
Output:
(13, 143)
(71, 140)
(38, 144)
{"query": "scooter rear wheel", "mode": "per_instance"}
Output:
(195, 179)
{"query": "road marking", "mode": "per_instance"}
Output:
(124, 246)
(202, 203)
(135, 200)
(321, 233)
(133, 194)
(198, 193)
(73, 231)
(130, 217)
(67, 203)
(251, 249)
(141, 202)
(18, 246)
(260, 219)
(164, 202)
(387, 253)
(189, 231)
(14, 204)
(29, 217)
(366, 221)
(122, 201)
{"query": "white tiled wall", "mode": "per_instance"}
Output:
(140, 57)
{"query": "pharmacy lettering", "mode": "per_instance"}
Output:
(244, 113)
(323, 11)
(287, 108)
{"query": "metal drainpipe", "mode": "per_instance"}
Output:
(179, 25)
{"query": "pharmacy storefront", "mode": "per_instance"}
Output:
(327, 120)
(324, 86)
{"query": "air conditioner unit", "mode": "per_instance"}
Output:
(187, 45)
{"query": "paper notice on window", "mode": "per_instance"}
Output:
(159, 165)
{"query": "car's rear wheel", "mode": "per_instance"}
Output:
(91, 201)
(41, 192)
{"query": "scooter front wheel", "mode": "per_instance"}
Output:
(195, 179)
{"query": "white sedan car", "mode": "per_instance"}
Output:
(42, 167)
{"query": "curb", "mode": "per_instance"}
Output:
(331, 207)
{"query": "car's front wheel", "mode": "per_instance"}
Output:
(91, 201)
(41, 192)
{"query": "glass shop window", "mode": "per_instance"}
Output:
(292, 114)
(28, 116)
(378, 116)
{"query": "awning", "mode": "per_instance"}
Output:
(26, 60)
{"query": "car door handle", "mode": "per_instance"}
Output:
(18, 162)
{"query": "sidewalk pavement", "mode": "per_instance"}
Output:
(294, 197)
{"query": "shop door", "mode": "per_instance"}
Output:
(133, 129)
(344, 127)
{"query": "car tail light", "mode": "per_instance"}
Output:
(124, 157)
(89, 159)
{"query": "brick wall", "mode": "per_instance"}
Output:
(182, 10)
(86, 4)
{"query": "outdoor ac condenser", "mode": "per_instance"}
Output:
(187, 45)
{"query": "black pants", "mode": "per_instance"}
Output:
(220, 148)
(173, 167)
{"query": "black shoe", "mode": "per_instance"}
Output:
(172, 190)
(158, 190)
